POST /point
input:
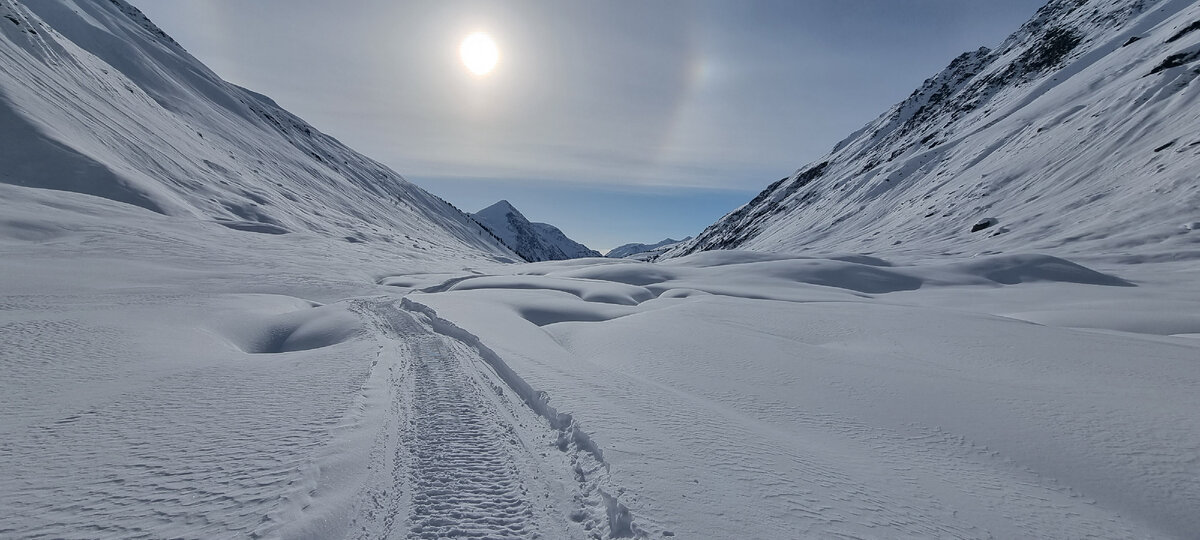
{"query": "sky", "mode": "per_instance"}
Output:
(617, 121)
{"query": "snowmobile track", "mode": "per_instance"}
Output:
(465, 481)
(459, 462)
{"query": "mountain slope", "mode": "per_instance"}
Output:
(627, 250)
(532, 241)
(1077, 134)
(95, 99)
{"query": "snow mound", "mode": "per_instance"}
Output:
(301, 330)
(630, 274)
(544, 310)
(1014, 269)
(865, 274)
(587, 290)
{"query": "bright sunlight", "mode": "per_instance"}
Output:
(479, 53)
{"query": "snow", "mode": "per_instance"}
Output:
(532, 241)
(1091, 155)
(95, 99)
(190, 358)
(643, 251)
(812, 409)
(170, 378)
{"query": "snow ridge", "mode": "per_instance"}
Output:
(97, 100)
(629, 250)
(1075, 134)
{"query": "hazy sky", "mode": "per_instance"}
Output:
(618, 121)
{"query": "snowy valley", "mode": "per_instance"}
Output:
(217, 322)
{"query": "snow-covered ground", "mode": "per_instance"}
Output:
(170, 378)
(216, 321)
(737, 395)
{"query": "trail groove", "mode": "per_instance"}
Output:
(465, 481)
(460, 459)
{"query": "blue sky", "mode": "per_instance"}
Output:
(618, 121)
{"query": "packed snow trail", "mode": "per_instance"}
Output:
(465, 480)
(399, 432)
(460, 454)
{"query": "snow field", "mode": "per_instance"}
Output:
(782, 403)
(227, 324)
(140, 398)
(173, 378)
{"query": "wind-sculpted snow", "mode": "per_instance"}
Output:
(853, 273)
(769, 396)
(126, 428)
(309, 328)
(145, 398)
(589, 291)
(337, 367)
(167, 379)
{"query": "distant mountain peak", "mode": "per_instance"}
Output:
(500, 208)
(532, 241)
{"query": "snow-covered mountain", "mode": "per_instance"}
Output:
(1077, 134)
(627, 250)
(532, 241)
(95, 99)
(171, 371)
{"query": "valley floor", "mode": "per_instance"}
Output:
(187, 380)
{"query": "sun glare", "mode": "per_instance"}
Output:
(479, 53)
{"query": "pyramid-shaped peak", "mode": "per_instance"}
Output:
(500, 209)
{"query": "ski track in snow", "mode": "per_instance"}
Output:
(465, 482)
(462, 455)
(402, 431)
(167, 376)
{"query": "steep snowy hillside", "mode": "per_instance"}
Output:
(532, 241)
(95, 99)
(373, 369)
(627, 250)
(1076, 134)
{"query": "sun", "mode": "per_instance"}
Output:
(479, 53)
